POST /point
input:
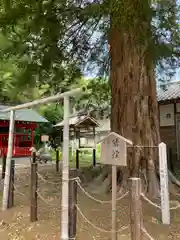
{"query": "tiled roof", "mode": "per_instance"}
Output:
(25, 115)
(74, 121)
(170, 91)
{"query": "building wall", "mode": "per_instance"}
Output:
(90, 140)
(168, 136)
(167, 126)
(166, 115)
(178, 107)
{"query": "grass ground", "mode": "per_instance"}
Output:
(85, 158)
(15, 224)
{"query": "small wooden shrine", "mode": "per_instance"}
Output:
(80, 128)
(82, 132)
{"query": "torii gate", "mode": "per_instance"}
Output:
(65, 176)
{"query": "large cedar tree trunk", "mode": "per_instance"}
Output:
(134, 112)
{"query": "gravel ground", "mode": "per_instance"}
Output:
(15, 223)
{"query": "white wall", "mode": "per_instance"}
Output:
(104, 125)
(166, 115)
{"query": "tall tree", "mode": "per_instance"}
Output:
(128, 39)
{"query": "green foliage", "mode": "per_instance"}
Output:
(52, 112)
(33, 30)
(47, 44)
(98, 97)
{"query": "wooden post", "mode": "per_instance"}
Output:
(164, 183)
(65, 173)
(57, 160)
(94, 157)
(114, 189)
(8, 162)
(77, 158)
(94, 149)
(3, 165)
(11, 188)
(170, 159)
(72, 204)
(33, 210)
(136, 209)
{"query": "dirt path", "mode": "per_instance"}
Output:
(25, 163)
(15, 224)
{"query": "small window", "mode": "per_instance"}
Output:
(168, 115)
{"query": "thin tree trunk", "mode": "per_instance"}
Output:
(134, 112)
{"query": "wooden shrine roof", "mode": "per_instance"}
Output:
(78, 121)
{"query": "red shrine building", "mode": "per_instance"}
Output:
(26, 121)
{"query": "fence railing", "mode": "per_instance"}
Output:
(136, 225)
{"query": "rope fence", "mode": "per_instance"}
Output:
(144, 231)
(41, 197)
(46, 197)
(150, 202)
(158, 206)
(98, 200)
(98, 228)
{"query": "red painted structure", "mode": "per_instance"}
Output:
(23, 138)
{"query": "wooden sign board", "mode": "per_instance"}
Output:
(165, 211)
(114, 150)
(44, 138)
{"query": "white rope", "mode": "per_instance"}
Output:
(46, 181)
(77, 179)
(18, 174)
(156, 205)
(98, 200)
(98, 228)
(150, 202)
(175, 207)
(41, 177)
(15, 188)
(44, 200)
(61, 180)
(145, 146)
(147, 234)
(19, 177)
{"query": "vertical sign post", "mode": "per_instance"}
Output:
(3, 165)
(65, 173)
(114, 152)
(136, 209)
(164, 183)
(114, 189)
(57, 160)
(34, 186)
(8, 162)
(72, 204)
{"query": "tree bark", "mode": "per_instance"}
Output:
(134, 110)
